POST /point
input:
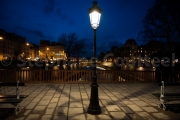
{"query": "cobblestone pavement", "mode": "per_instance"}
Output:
(70, 102)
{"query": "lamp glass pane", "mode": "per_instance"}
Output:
(95, 19)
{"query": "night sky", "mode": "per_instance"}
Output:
(47, 19)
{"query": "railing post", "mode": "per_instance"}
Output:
(113, 76)
(15, 74)
(40, 75)
(134, 76)
(65, 73)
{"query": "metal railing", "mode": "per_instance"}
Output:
(76, 76)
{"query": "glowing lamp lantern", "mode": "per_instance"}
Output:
(95, 15)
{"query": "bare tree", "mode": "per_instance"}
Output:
(162, 22)
(72, 45)
(68, 40)
(79, 48)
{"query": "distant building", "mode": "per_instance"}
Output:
(51, 50)
(130, 49)
(32, 51)
(11, 45)
(16, 47)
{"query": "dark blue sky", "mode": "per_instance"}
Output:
(47, 19)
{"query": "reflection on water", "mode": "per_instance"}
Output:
(68, 65)
(91, 68)
(140, 68)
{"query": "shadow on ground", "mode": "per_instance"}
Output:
(6, 112)
(173, 107)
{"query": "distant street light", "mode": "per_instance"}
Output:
(94, 108)
(47, 54)
(1, 38)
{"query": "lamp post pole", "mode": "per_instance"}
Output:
(94, 108)
(94, 80)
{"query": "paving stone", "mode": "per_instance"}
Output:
(64, 98)
(154, 104)
(25, 103)
(27, 112)
(161, 116)
(83, 94)
(126, 109)
(54, 100)
(85, 97)
(61, 111)
(32, 95)
(86, 102)
(90, 117)
(145, 116)
(75, 111)
(56, 95)
(50, 92)
(39, 108)
(36, 100)
(103, 117)
(40, 95)
(77, 117)
(75, 104)
(31, 105)
(154, 100)
(112, 108)
(63, 103)
(52, 105)
(149, 109)
(119, 116)
(104, 97)
(115, 93)
(114, 98)
(127, 102)
(49, 111)
(44, 102)
(60, 117)
(134, 101)
(135, 108)
(120, 103)
(46, 117)
(107, 102)
(134, 98)
(120, 96)
(33, 117)
(46, 98)
(104, 110)
(140, 103)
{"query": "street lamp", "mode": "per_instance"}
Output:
(94, 108)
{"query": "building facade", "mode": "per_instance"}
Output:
(32, 51)
(11, 45)
(51, 50)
